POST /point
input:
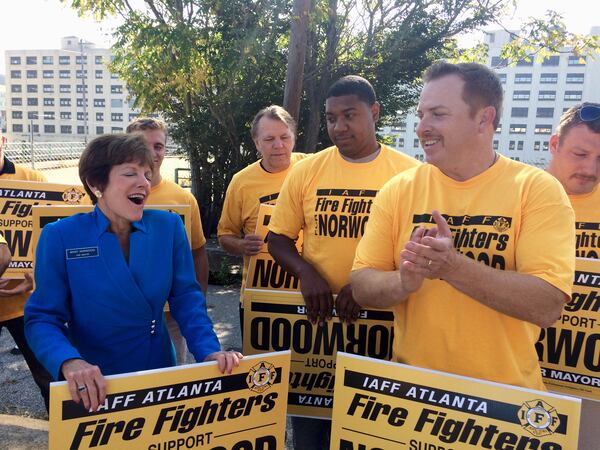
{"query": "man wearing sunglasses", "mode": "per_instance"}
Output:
(575, 149)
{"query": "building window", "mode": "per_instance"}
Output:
(48, 89)
(545, 146)
(576, 60)
(134, 115)
(400, 141)
(116, 117)
(521, 95)
(32, 88)
(116, 89)
(536, 146)
(520, 145)
(81, 88)
(416, 143)
(114, 76)
(118, 103)
(502, 77)
(99, 116)
(32, 74)
(98, 59)
(80, 102)
(65, 129)
(31, 60)
(511, 145)
(81, 60)
(64, 60)
(518, 128)
(48, 102)
(17, 128)
(35, 128)
(116, 130)
(64, 74)
(15, 74)
(16, 88)
(47, 60)
(16, 101)
(99, 89)
(99, 74)
(81, 73)
(48, 74)
(80, 129)
(573, 95)
(523, 78)
(32, 115)
(498, 62)
(575, 78)
(99, 102)
(519, 112)
(544, 112)
(547, 95)
(525, 62)
(495, 144)
(17, 114)
(553, 60)
(549, 78)
(498, 128)
(49, 128)
(15, 60)
(65, 115)
(32, 102)
(65, 102)
(543, 129)
(49, 115)
(64, 88)
(81, 116)
(99, 130)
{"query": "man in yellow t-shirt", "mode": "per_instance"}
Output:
(14, 293)
(473, 251)
(165, 192)
(274, 134)
(329, 197)
(575, 149)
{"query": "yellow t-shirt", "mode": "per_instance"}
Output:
(249, 188)
(12, 307)
(168, 193)
(330, 199)
(511, 217)
(587, 223)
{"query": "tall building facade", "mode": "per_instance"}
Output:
(536, 93)
(65, 94)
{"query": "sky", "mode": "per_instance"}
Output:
(40, 24)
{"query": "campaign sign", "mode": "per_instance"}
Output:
(569, 351)
(17, 198)
(384, 406)
(193, 406)
(276, 320)
(263, 271)
(43, 215)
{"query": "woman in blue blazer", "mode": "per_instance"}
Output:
(102, 279)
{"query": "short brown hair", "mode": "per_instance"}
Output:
(482, 86)
(146, 123)
(571, 118)
(274, 112)
(107, 151)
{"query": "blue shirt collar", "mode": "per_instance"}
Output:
(102, 222)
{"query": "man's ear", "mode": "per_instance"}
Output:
(375, 107)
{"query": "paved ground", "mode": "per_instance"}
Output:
(20, 400)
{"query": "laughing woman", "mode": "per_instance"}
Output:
(102, 279)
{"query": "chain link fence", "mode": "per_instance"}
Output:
(45, 155)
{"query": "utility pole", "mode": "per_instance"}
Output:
(296, 56)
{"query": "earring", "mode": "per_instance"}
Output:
(98, 194)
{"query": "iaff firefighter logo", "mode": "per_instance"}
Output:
(501, 224)
(539, 418)
(261, 377)
(72, 196)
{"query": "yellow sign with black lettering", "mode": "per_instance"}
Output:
(43, 215)
(569, 351)
(263, 271)
(17, 198)
(381, 405)
(177, 408)
(275, 321)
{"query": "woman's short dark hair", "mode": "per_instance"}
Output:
(482, 86)
(107, 151)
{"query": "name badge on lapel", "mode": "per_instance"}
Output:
(84, 252)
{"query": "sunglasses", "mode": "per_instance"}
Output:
(589, 113)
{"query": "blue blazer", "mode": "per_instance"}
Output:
(90, 303)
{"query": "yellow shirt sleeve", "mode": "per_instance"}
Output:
(198, 239)
(231, 222)
(288, 217)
